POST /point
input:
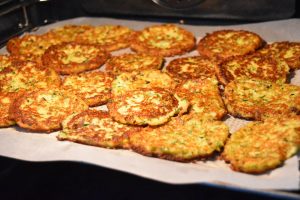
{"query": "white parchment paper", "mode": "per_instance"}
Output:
(20, 144)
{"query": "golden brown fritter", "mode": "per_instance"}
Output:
(69, 32)
(133, 62)
(28, 76)
(44, 110)
(96, 128)
(93, 87)
(109, 37)
(253, 99)
(223, 44)
(287, 51)
(34, 45)
(144, 106)
(191, 68)
(73, 58)
(183, 139)
(253, 66)
(163, 40)
(261, 146)
(142, 79)
(204, 97)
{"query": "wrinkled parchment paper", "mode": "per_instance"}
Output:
(20, 144)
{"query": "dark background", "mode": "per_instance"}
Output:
(73, 180)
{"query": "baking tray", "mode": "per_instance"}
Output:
(20, 144)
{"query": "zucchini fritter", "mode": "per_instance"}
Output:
(163, 40)
(253, 66)
(183, 139)
(204, 97)
(253, 99)
(93, 87)
(70, 32)
(261, 146)
(191, 68)
(144, 106)
(96, 128)
(109, 37)
(287, 51)
(73, 58)
(34, 45)
(28, 76)
(142, 79)
(44, 110)
(223, 44)
(133, 62)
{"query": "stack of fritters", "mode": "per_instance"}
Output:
(49, 82)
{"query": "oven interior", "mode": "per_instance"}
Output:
(18, 16)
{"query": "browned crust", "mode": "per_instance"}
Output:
(69, 32)
(123, 63)
(31, 74)
(93, 137)
(53, 59)
(199, 67)
(34, 45)
(144, 152)
(278, 106)
(228, 47)
(6, 64)
(178, 47)
(287, 51)
(203, 94)
(107, 42)
(251, 152)
(142, 79)
(29, 118)
(268, 69)
(162, 142)
(6, 100)
(147, 110)
(92, 81)
(13, 45)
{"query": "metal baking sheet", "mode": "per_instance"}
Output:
(20, 144)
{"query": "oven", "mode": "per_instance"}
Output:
(63, 179)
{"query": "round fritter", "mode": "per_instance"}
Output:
(133, 62)
(204, 97)
(255, 99)
(163, 40)
(73, 58)
(28, 76)
(223, 44)
(253, 66)
(44, 110)
(261, 146)
(109, 37)
(70, 32)
(34, 45)
(287, 51)
(144, 106)
(6, 99)
(191, 68)
(96, 128)
(142, 79)
(93, 87)
(183, 139)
